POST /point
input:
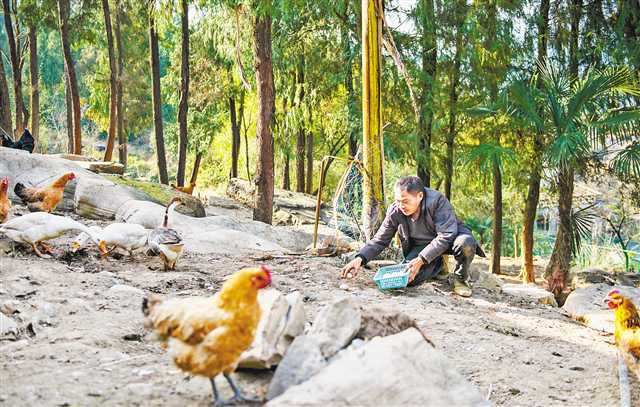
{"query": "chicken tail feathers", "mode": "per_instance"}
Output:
(26, 142)
(21, 191)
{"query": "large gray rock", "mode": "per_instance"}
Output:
(101, 198)
(216, 234)
(484, 280)
(585, 304)
(282, 319)
(401, 369)
(530, 292)
(90, 195)
(303, 359)
(378, 321)
(336, 325)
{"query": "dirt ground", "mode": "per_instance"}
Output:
(82, 341)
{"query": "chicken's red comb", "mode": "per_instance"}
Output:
(267, 270)
(614, 291)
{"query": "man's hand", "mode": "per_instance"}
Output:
(352, 268)
(414, 267)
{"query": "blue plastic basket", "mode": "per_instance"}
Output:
(400, 279)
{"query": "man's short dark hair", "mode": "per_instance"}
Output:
(410, 184)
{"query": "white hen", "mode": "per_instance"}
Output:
(126, 236)
(35, 228)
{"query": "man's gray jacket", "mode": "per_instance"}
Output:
(441, 222)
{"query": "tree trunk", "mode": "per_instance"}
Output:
(69, 110)
(453, 100)
(286, 155)
(196, 168)
(35, 86)
(63, 16)
(112, 82)
(16, 63)
(156, 99)
(263, 207)
(243, 125)
(309, 150)
(286, 178)
(235, 138)
(560, 262)
(533, 189)
(597, 22)
(559, 265)
(122, 135)
(429, 66)
(5, 103)
(373, 153)
(576, 12)
(529, 218)
(496, 230)
(184, 94)
(300, 141)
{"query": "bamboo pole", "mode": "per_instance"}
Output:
(373, 153)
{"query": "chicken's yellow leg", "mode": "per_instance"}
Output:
(47, 248)
(37, 251)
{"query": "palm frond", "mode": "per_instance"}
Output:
(627, 162)
(581, 224)
(567, 149)
(523, 104)
(485, 155)
(614, 126)
(596, 84)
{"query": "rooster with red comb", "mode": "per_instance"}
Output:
(627, 328)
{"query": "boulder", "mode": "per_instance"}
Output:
(484, 280)
(401, 369)
(585, 305)
(101, 198)
(98, 197)
(336, 325)
(530, 292)
(102, 167)
(589, 276)
(290, 208)
(282, 320)
(216, 234)
(303, 359)
(378, 321)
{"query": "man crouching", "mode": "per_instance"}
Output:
(428, 228)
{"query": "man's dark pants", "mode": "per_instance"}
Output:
(463, 250)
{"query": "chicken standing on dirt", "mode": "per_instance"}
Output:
(167, 242)
(207, 335)
(43, 199)
(126, 236)
(5, 205)
(627, 329)
(35, 228)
